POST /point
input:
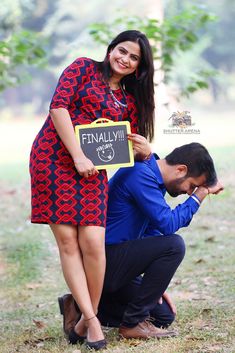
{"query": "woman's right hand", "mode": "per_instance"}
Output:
(85, 167)
(64, 127)
(142, 148)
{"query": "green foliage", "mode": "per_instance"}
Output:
(196, 81)
(181, 32)
(168, 39)
(17, 52)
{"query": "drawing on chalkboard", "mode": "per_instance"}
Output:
(106, 143)
(105, 152)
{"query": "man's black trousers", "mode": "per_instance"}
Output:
(129, 298)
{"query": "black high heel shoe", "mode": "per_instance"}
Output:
(74, 338)
(96, 345)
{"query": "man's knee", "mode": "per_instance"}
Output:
(178, 245)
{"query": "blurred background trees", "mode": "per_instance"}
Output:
(38, 38)
(215, 50)
(169, 39)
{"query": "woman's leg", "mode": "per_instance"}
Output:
(91, 242)
(74, 274)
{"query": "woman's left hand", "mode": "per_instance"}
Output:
(141, 146)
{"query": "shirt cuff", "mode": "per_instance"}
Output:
(195, 198)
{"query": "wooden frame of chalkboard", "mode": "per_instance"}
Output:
(106, 144)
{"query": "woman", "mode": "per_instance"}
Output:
(68, 192)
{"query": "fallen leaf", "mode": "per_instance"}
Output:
(41, 344)
(77, 351)
(209, 281)
(184, 295)
(39, 324)
(199, 324)
(33, 285)
(193, 245)
(199, 261)
(200, 297)
(206, 311)
(36, 342)
(214, 348)
(211, 239)
(193, 338)
(135, 343)
(41, 305)
(193, 287)
(204, 227)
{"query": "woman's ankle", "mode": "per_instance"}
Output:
(94, 330)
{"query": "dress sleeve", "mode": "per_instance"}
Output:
(69, 82)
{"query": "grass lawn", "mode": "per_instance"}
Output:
(31, 279)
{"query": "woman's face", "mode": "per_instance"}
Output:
(124, 58)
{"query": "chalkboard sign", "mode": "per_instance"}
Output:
(105, 143)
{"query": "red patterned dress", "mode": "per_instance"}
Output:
(59, 194)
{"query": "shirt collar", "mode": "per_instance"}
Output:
(154, 166)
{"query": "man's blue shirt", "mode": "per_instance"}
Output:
(137, 207)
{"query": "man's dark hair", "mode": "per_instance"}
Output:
(197, 159)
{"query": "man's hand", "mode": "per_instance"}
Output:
(169, 302)
(202, 191)
(215, 189)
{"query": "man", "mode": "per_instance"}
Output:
(142, 250)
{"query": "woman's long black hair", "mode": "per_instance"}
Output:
(141, 86)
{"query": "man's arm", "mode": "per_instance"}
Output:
(150, 199)
(202, 191)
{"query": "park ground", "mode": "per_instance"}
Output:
(31, 279)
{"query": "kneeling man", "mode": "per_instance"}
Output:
(142, 250)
